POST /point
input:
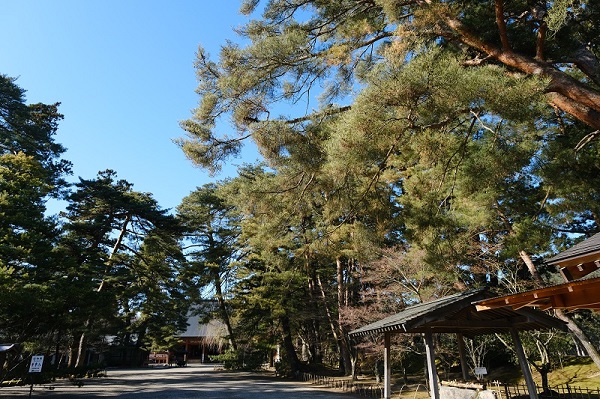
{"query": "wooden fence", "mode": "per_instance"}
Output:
(557, 392)
(502, 391)
(366, 390)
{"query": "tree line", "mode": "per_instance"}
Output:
(452, 145)
(411, 149)
(110, 264)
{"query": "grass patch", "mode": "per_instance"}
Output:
(575, 371)
(580, 372)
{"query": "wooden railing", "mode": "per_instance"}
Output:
(565, 391)
(366, 390)
(502, 391)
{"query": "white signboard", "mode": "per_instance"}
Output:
(480, 371)
(36, 364)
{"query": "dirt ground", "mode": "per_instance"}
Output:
(190, 382)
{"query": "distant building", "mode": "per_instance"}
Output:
(201, 340)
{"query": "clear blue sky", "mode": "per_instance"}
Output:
(123, 71)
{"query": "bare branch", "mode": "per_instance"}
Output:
(586, 140)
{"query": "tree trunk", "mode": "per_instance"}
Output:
(57, 357)
(544, 374)
(329, 316)
(81, 350)
(137, 359)
(345, 361)
(354, 359)
(532, 269)
(72, 356)
(572, 327)
(223, 308)
(288, 345)
(580, 335)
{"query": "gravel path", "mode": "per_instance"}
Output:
(193, 381)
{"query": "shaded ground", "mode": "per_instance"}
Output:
(194, 381)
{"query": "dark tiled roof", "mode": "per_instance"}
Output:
(585, 247)
(457, 314)
(415, 311)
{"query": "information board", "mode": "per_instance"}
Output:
(36, 364)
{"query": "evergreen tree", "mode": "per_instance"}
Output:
(31, 171)
(298, 45)
(212, 232)
(108, 224)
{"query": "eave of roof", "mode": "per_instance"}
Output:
(8, 347)
(578, 294)
(582, 249)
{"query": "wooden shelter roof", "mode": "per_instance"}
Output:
(8, 347)
(579, 260)
(458, 314)
(579, 294)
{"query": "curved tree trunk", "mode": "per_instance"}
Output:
(82, 347)
(565, 92)
(82, 340)
(581, 336)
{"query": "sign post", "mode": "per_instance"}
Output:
(480, 372)
(35, 367)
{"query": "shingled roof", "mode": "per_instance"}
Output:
(458, 314)
(580, 260)
(586, 247)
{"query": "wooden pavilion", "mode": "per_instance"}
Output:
(457, 314)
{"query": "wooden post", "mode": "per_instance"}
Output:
(524, 365)
(387, 368)
(463, 357)
(430, 350)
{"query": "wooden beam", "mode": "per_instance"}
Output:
(581, 269)
(583, 294)
(525, 304)
(572, 263)
(387, 368)
(471, 323)
(524, 365)
(431, 370)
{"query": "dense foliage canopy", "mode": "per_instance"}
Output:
(412, 149)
